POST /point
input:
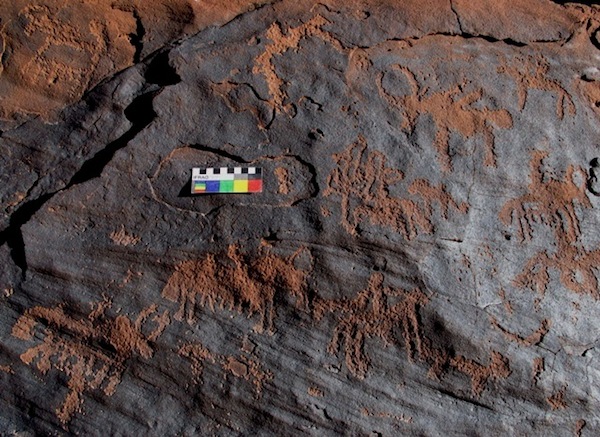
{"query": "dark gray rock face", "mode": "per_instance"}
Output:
(423, 259)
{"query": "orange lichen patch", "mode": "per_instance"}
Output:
(557, 400)
(538, 368)
(358, 62)
(283, 177)
(369, 315)
(122, 238)
(531, 73)
(280, 44)
(212, 12)
(244, 366)
(236, 282)
(531, 340)
(76, 348)
(548, 201)
(16, 197)
(315, 392)
(498, 368)
(7, 369)
(452, 110)
(363, 180)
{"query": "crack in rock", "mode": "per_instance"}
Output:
(140, 113)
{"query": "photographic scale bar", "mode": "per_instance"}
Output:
(234, 180)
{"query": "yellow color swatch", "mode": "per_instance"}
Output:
(240, 186)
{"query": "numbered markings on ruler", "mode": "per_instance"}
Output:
(226, 180)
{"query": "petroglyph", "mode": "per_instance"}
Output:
(50, 71)
(548, 201)
(90, 351)
(371, 315)
(242, 97)
(506, 302)
(280, 44)
(553, 203)
(362, 181)
(122, 238)
(315, 392)
(480, 374)
(237, 282)
(244, 366)
(283, 177)
(557, 400)
(380, 311)
(531, 340)
(590, 93)
(538, 368)
(438, 194)
(532, 73)
(384, 415)
(452, 110)
(577, 270)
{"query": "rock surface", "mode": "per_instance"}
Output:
(423, 259)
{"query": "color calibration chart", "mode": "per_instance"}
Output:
(227, 180)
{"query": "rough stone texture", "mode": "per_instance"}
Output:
(423, 260)
(53, 51)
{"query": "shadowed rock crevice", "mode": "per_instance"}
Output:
(595, 38)
(13, 237)
(140, 113)
(465, 399)
(465, 35)
(160, 72)
(508, 41)
(137, 38)
(455, 12)
(488, 38)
